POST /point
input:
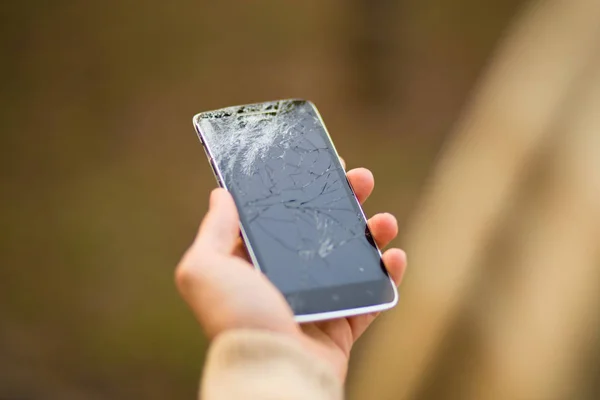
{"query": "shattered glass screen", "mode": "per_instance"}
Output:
(297, 209)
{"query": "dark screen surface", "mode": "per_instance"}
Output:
(302, 221)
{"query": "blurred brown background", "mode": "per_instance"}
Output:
(104, 182)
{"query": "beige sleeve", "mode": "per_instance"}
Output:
(249, 364)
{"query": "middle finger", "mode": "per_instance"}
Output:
(362, 182)
(384, 228)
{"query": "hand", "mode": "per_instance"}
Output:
(225, 291)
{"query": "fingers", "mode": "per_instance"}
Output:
(395, 263)
(343, 162)
(384, 228)
(362, 181)
(219, 231)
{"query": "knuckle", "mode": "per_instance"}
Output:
(186, 272)
(182, 275)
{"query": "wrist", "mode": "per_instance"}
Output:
(323, 349)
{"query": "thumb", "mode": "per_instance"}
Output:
(219, 230)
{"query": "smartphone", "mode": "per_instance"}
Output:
(299, 217)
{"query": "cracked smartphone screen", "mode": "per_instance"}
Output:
(303, 225)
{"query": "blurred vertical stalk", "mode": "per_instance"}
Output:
(519, 100)
(536, 339)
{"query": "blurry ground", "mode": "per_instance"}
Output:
(104, 182)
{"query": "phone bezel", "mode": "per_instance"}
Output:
(316, 316)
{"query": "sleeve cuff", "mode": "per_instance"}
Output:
(252, 364)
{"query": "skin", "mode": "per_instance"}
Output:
(224, 290)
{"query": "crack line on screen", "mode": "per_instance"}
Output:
(307, 211)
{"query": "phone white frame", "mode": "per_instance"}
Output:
(302, 318)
